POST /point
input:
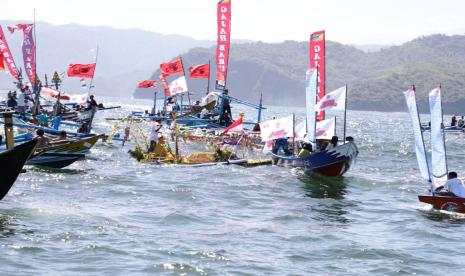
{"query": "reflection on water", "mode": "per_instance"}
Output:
(318, 186)
(6, 229)
(451, 217)
(322, 187)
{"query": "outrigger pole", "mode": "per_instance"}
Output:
(345, 116)
(92, 79)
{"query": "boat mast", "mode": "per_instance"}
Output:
(442, 127)
(421, 133)
(35, 87)
(345, 116)
(92, 79)
(260, 107)
(209, 75)
(188, 92)
(316, 101)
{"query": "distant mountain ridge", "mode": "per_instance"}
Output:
(125, 56)
(375, 79)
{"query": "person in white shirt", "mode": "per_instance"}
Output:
(453, 185)
(333, 143)
(22, 103)
(156, 127)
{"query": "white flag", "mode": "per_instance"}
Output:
(300, 130)
(179, 85)
(334, 100)
(325, 128)
(278, 128)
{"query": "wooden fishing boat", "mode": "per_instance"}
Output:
(11, 164)
(446, 203)
(63, 154)
(333, 162)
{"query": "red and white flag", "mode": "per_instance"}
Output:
(237, 126)
(172, 68)
(324, 130)
(7, 58)
(29, 54)
(278, 128)
(335, 100)
(54, 93)
(147, 84)
(177, 86)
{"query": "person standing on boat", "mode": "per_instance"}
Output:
(156, 127)
(454, 186)
(21, 103)
(92, 104)
(461, 122)
(453, 121)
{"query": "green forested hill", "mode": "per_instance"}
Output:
(375, 79)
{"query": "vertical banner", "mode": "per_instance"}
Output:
(29, 54)
(438, 147)
(222, 49)
(310, 102)
(317, 60)
(420, 152)
(7, 57)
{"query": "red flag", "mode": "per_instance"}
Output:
(147, 84)
(166, 88)
(81, 70)
(200, 71)
(171, 68)
(237, 126)
(6, 55)
(317, 59)
(222, 49)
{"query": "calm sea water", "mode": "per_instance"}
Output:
(109, 215)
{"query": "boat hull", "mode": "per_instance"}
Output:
(11, 164)
(333, 162)
(63, 155)
(453, 204)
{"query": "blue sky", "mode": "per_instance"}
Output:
(349, 21)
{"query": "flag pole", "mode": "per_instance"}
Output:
(209, 75)
(188, 92)
(154, 109)
(92, 79)
(316, 101)
(345, 116)
(293, 134)
(36, 107)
